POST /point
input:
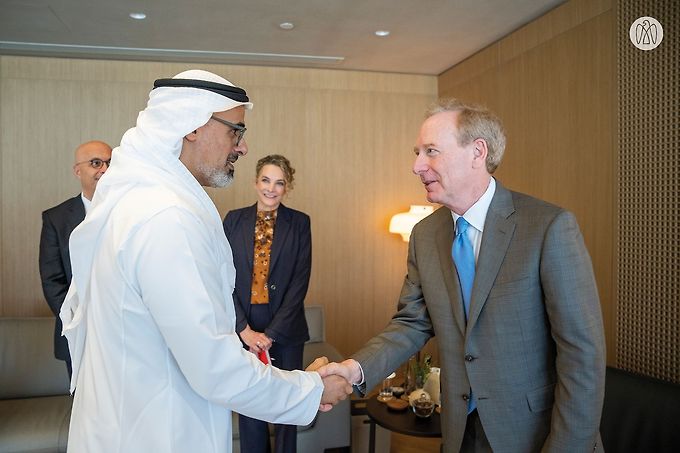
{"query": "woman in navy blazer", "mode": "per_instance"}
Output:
(272, 247)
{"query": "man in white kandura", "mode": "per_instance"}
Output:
(149, 317)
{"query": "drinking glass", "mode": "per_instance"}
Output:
(386, 389)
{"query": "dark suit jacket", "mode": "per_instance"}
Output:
(289, 270)
(54, 261)
(533, 349)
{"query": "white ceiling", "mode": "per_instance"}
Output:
(427, 36)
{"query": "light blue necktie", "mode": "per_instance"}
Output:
(464, 259)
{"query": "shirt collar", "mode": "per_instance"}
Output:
(87, 203)
(476, 215)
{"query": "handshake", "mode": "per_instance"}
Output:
(337, 380)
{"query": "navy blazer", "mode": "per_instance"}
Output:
(289, 270)
(54, 260)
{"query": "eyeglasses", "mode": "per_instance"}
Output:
(238, 129)
(96, 163)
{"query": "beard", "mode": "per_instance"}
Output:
(217, 177)
(220, 181)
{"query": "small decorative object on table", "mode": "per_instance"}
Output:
(423, 406)
(416, 395)
(397, 391)
(386, 389)
(417, 372)
(431, 385)
(397, 404)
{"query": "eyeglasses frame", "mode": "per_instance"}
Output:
(91, 162)
(239, 129)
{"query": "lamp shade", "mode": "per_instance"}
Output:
(404, 222)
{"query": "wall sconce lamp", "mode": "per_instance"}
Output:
(404, 222)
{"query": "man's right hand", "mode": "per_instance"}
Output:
(349, 369)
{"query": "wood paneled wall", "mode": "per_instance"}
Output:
(348, 134)
(552, 82)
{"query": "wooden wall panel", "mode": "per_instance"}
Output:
(552, 83)
(348, 134)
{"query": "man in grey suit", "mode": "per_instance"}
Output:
(91, 162)
(509, 292)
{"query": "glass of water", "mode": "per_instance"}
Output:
(386, 389)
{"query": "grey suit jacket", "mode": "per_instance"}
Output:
(533, 349)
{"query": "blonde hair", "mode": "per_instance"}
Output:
(475, 121)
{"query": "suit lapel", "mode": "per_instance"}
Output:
(248, 233)
(444, 241)
(76, 212)
(281, 230)
(75, 216)
(498, 232)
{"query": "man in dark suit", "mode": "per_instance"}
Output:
(91, 162)
(506, 285)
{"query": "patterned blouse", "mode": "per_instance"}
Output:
(264, 235)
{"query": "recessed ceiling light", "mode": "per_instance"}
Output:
(138, 16)
(382, 33)
(286, 25)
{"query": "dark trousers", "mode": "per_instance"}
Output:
(254, 434)
(474, 439)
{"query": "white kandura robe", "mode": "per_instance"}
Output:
(150, 318)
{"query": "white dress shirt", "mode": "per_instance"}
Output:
(476, 216)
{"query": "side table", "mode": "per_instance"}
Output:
(403, 422)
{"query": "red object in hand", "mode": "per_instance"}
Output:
(264, 357)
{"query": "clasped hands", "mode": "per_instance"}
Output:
(337, 377)
(337, 380)
(256, 341)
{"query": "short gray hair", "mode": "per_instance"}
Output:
(475, 121)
